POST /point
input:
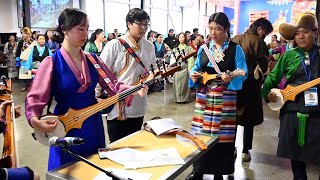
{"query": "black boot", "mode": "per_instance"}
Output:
(218, 177)
(194, 176)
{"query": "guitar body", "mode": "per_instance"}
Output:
(287, 94)
(280, 100)
(207, 77)
(43, 138)
(72, 119)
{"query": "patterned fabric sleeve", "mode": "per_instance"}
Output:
(240, 61)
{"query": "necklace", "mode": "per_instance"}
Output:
(218, 53)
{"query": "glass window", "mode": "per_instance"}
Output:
(159, 20)
(172, 6)
(159, 4)
(147, 2)
(136, 2)
(20, 15)
(116, 16)
(175, 21)
(94, 11)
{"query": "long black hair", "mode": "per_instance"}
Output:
(221, 19)
(93, 36)
(68, 19)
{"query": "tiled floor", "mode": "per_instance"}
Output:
(264, 164)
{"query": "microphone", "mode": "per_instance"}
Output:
(66, 141)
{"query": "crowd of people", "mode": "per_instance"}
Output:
(64, 65)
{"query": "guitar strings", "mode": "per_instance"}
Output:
(114, 99)
(313, 82)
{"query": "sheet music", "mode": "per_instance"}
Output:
(160, 126)
(134, 159)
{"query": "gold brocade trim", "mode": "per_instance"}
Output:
(136, 47)
(126, 65)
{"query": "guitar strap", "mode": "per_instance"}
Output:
(133, 54)
(215, 66)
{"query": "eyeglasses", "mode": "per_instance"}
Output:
(140, 25)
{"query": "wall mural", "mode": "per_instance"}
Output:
(279, 11)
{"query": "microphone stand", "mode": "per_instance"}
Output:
(108, 173)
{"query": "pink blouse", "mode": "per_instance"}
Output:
(39, 94)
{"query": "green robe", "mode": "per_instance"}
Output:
(298, 137)
(92, 48)
(287, 64)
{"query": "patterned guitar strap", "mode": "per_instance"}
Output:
(122, 115)
(133, 54)
(210, 57)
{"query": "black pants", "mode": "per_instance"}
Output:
(247, 138)
(299, 170)
(118, 129)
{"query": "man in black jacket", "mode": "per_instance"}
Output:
(171, 40)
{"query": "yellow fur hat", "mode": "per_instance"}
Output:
(307, 21)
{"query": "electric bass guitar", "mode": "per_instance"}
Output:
(290, 93)
(75, 118)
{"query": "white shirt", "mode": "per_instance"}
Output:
(128, 70)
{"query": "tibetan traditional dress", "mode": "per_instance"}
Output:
(70, 88)
(299, 119)
(215, 107)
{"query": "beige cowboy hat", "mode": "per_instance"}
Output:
(306, 20)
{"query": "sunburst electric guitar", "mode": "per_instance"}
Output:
(290, 93)
(75, 118)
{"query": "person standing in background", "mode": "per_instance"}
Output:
(181, 91)
(10, 52)
(249, 102)
(95, 44)
(51, 41)
(171, 40)
(23, 44)
(160, 47)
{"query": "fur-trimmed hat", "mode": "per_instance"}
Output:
(307, 21)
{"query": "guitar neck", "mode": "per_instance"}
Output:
(305, 86)
(113, 99)
(184, 59)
